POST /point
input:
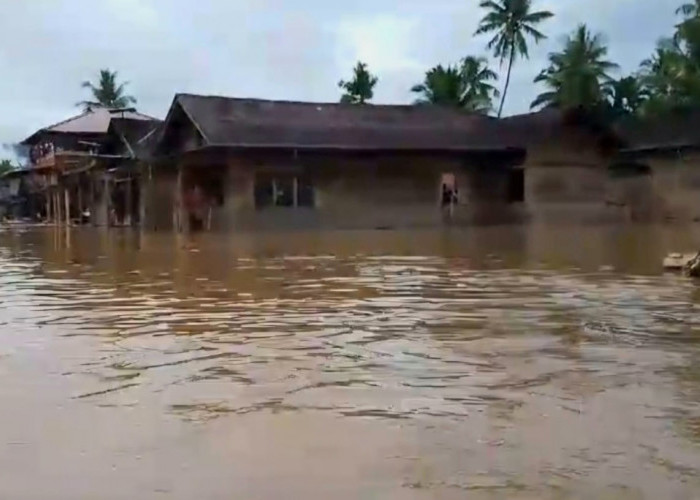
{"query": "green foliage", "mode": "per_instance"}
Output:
(107, 92)
(671, 76)
(6, 166)
(467, 85)
(360, 89)
(512, 23)
(626, 97)
(578, 76)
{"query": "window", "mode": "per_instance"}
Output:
(516, 185)
(283, 191)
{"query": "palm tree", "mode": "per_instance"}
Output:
(662, 72)
(513, 22)
(689, 10)
(441, 85)
(671, 78)
(626, 96)
(360, 89)
(579, 75)
(467, 86)
(107, 93)
(477, 78)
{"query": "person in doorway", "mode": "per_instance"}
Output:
(446, 195)
(449, 199)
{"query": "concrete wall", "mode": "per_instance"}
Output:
(633, 196)
(349, 194)
(566, 181)
(569, 194)
(676, 187)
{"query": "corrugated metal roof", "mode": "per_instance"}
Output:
(93, 121)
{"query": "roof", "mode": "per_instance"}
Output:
(93, 121)
(131, 131)
(548, 124)
(256, 123)
(673, 131)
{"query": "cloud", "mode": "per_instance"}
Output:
(280, 49)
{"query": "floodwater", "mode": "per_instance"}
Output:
(518, 363)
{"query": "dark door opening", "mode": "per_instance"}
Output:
(516, 185)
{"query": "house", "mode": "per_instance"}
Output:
(21, 194)
(67, 157)
(565, 175)
(661, 165)
(123, 150)
(239, 164)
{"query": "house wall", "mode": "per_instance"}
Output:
(566, 181)
(676, 187)
(157, 200)
(349, 194)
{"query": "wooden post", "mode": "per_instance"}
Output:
(48, 205)
(58, 212)
(106, 202)
(144, 181)
(80, 200)
(66, 193)
(177, 208)
(127, 203)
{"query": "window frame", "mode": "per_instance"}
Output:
(274, 181)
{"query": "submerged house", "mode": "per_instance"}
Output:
(660, 165)
(218, 163)
(225, 163)
(121, 155)
(566, 172)
(69, 159)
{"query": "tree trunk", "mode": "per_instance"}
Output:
(505, 89)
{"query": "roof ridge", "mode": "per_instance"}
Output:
(129, 110)
(325, 103)
(67, 120)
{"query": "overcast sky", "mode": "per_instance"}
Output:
(276, 49)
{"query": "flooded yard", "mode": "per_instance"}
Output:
(529, 363)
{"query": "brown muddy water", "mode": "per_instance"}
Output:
(492, 363)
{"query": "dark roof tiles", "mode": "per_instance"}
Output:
(258, 123)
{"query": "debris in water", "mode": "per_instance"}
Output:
(678, 261)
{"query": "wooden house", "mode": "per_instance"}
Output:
(68, 157)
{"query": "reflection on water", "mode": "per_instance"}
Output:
(492, 363)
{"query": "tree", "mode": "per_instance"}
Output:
(626, 97)
(6, 166)
(579, 75)
(107, 93)
(661, 76)
(467, 86)
(689, 10)
(671, 76)
(360, 89)
(512, 22)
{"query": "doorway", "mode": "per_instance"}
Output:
(449, 194)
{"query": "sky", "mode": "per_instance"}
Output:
(273, 49)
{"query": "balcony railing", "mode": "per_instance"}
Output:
(62, 160)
